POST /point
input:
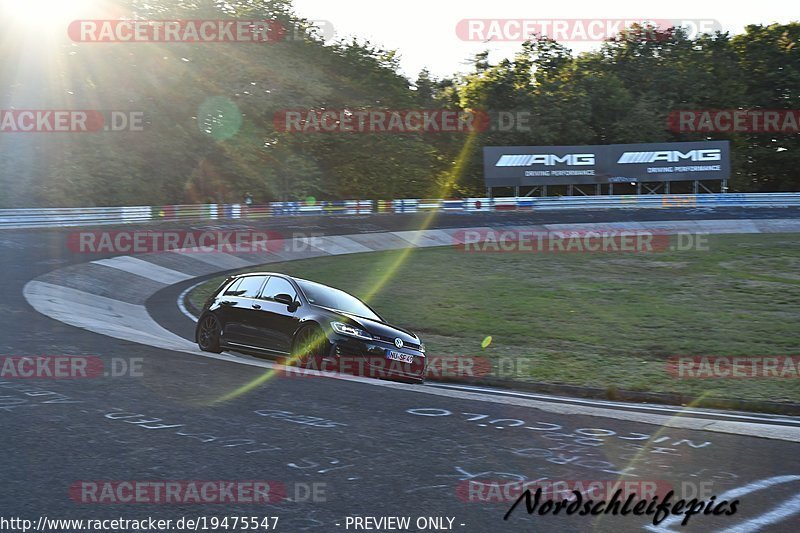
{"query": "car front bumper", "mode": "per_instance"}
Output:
(371, 359)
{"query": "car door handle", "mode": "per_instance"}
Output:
(256, 306)
(227, 302)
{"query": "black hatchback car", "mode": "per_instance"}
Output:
(307, 324)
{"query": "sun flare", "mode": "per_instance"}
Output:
(44, 13)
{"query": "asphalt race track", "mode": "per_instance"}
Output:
(349, 447)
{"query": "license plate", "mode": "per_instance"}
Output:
(397, 356)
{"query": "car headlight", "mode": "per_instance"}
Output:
(352, 331)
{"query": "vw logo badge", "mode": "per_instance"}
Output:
(398, 342)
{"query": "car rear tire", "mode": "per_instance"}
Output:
(208, 334)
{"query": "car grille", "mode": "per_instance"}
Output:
(390, 340)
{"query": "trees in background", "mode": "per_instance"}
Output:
(209, 109)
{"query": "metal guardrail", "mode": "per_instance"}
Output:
(91, 216)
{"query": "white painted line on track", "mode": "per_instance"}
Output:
(678, 411)
(182, 298)
(145, 269)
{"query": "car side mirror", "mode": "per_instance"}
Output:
(285, 299)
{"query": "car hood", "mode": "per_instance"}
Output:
(380, 329)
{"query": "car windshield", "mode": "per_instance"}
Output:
(335, 299)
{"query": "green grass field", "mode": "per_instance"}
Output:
(606, 320)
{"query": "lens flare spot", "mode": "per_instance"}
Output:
(219, 118)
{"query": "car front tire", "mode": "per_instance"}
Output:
(208, 330)
(308, 347)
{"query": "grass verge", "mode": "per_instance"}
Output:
(607, 320)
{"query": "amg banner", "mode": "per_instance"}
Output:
(508, 166)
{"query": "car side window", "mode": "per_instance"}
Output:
(233, 288)
(250, 286)
(276, 286)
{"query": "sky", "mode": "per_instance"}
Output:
(424, 31)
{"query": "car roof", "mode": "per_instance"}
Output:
(287, 276)
(261, 274)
